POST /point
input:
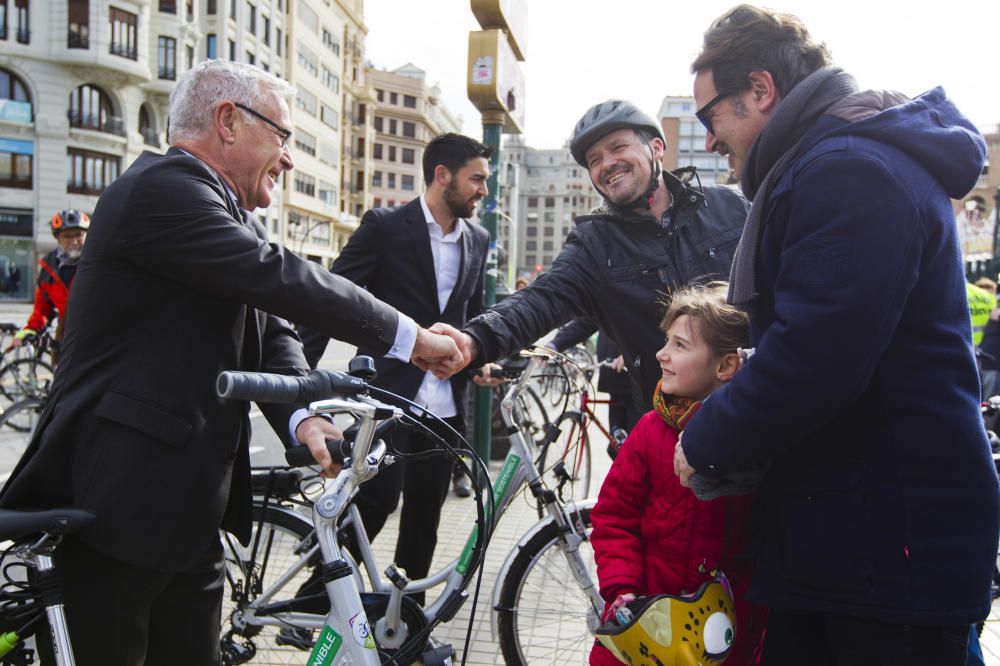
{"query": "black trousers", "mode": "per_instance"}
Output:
(824, 639)
(120, 614)
(423, 484)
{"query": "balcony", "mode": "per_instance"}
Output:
(150, 137)
(124, 51)
(76, 40)
(90, 121)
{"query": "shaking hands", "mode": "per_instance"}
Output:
(442, 349)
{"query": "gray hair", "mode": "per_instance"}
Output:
(202, 87)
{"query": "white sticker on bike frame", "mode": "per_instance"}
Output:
(362, 633)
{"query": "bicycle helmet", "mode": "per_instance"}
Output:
(603, 119)
(69, 219)
(675, 630)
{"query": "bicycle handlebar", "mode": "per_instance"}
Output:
(267, 387)
(301, 456)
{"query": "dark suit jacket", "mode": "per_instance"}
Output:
(390, 255)
(173, 287)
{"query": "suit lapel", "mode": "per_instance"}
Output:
(465, 269)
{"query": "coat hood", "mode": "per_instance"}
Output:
(929, 128)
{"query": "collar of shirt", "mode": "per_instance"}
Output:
(435, 228)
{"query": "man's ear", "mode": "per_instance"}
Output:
(224, 121)
(763, 91)
(658, 148)
(442, 176)
(727, 366)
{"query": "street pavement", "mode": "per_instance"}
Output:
(457, 518)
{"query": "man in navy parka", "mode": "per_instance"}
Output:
(877, 525)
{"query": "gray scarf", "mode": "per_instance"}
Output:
(771, 153)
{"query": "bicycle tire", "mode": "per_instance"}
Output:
(531, 415)
(573, 450)
(542, 615)
(282, 533)
(17, 426)
(25, 378)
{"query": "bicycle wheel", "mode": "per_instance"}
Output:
(17, 425)
(530, 415)
(565, 462)
(284, 538)
(543, 614)
(25, 378)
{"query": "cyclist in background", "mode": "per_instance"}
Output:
(55, 274)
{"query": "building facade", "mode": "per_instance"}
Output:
(408, 115)
(685, 142)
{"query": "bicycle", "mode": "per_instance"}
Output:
(30, 591)
(545, 600)
(17, 426)
(27, 372)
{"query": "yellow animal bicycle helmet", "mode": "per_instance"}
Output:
(674, 630)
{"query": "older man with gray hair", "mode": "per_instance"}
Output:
(178, 283)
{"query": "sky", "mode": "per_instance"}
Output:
(580, 52)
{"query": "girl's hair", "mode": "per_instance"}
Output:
(724, 327)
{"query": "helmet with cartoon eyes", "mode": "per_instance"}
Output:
(675, 630)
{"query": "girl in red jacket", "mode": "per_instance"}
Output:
(651, 535)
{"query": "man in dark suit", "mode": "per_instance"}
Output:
(427, 260)
(176, 284)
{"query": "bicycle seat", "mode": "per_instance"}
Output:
(16, 524)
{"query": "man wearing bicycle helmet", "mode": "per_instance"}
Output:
(56, 272)
(657, 231)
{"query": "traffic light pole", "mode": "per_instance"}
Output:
(492, 127)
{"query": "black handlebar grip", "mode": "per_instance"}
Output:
(301, 456)
(496, 373)
(258, 386)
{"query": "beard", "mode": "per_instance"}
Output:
(457, 205)
(622, 197)
(72, 255)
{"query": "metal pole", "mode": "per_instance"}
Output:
(492, 126)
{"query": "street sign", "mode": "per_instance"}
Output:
(511, 16)
(495, 82)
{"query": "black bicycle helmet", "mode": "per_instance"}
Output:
(604, 118)
(69, 219)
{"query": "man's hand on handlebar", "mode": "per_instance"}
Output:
(313, 432)
(489, 375)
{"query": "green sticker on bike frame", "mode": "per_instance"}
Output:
(499, 490)
(326, 648)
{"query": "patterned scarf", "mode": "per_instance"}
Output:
(677, 412)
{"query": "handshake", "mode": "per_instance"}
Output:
(443, 350)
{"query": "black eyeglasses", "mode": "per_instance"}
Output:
(282, 132)
(700, 114)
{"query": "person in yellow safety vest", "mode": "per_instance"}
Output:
(981, 304)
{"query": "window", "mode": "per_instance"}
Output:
(232, 49)
(532, 202)
(306, 101)
(376, 179)
(406, 182)
(329, 116)
(393, 98)
(16, 102)
(550, 202)
(392, 153)
(330, 42)
(3, 19)
(391, 181)
(392, 124)
(550, 217)
(409, 129)
(211, 7)
(377, 151)
(124, 33)
(530, 246)
(328, 154)
(266, 30)
(305, 184)
(327, 193)
(330, 80)
(277, 41)
(308, 17)
(147, 128)
(90, 108)
(211, 51)
(529, 259)
(232, 9)
(409, 101)
(409, 156)
(15, 163)
(548, 231)
(89, 172)
(166, 57)
(22, 19)
(250, 58)
(380, 95)
(188, 56)
(547, 246)
(378, 123)
(531, 231)
(168, 6)
(305, 142)
(307, 59)
(252, 18)
(79, 24)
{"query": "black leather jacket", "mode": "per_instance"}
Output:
(619, 271)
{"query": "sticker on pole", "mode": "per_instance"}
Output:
(482, 71)
(326, 648)
(362, 633)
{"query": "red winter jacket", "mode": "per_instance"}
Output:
(652, 536)
(51, 294)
